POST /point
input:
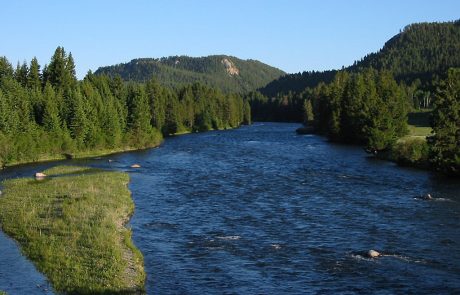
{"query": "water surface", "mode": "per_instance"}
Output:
(261, 210)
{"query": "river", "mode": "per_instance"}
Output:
(261, 210)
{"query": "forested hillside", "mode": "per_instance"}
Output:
(368, 103)
(47, 113)
(420, 52)
(228, 73)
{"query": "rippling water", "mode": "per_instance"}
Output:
(261, 210)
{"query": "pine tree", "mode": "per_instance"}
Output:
(247, 113)
(308, 112)
(34, 77)
(445, 144)
(55, 71)
(6, 69)
(21, 74)
(79, 124)
(51, 120)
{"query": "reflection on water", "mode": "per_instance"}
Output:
(261, 210)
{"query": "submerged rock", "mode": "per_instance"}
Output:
(373, 254)
(427, 197)
(135, 166)
(40, 175)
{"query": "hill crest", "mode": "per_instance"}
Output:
(228, 73)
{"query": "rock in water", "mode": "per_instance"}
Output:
(373, 254)
(40, 175)
(135, 166)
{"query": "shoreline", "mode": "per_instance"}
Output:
(391, 155)
(103, 152)
(79, 155)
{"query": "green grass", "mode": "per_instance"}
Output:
(78, 155)
(71, 225)
(418, 125)
(419, 131)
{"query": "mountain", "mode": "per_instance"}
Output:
(228, 73)
(420, 51)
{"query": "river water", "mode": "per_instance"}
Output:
(261, 210)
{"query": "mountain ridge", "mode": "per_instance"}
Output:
(419, 52)
(229, 73)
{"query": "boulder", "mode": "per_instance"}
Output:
(40, 175)
(373, 254)
(135, 166)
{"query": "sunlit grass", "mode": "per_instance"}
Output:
(71, 226)
(419, 131)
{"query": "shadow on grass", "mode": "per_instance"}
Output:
(420, 119)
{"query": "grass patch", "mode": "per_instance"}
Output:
(72, 227)
(419, 124)
(419, 131)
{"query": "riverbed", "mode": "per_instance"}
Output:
(262, 210)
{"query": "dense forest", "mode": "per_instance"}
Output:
(417, 55)
(367, 108)
(368, 103)
(228, 73)
(47, 113)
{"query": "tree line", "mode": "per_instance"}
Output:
(48, 112)
(370, 108)
(419, 57)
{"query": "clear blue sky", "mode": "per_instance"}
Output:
(293, 35)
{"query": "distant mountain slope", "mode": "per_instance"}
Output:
(418, 52)
(421, 49)
(228, 73)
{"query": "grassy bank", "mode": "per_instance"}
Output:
(413, 150)
(71, 225)
(79, 155)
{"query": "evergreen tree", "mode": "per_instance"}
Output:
(21, 74)
(51, 120)
(445, 144)
(78, 125)
(247, 113)
(34, 77)
(55, 71)
(6, 69)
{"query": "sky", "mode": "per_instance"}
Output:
(293, 35)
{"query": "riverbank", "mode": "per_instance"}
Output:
(72, 226)
(100, 152)
(411, 150)
(80, 155)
